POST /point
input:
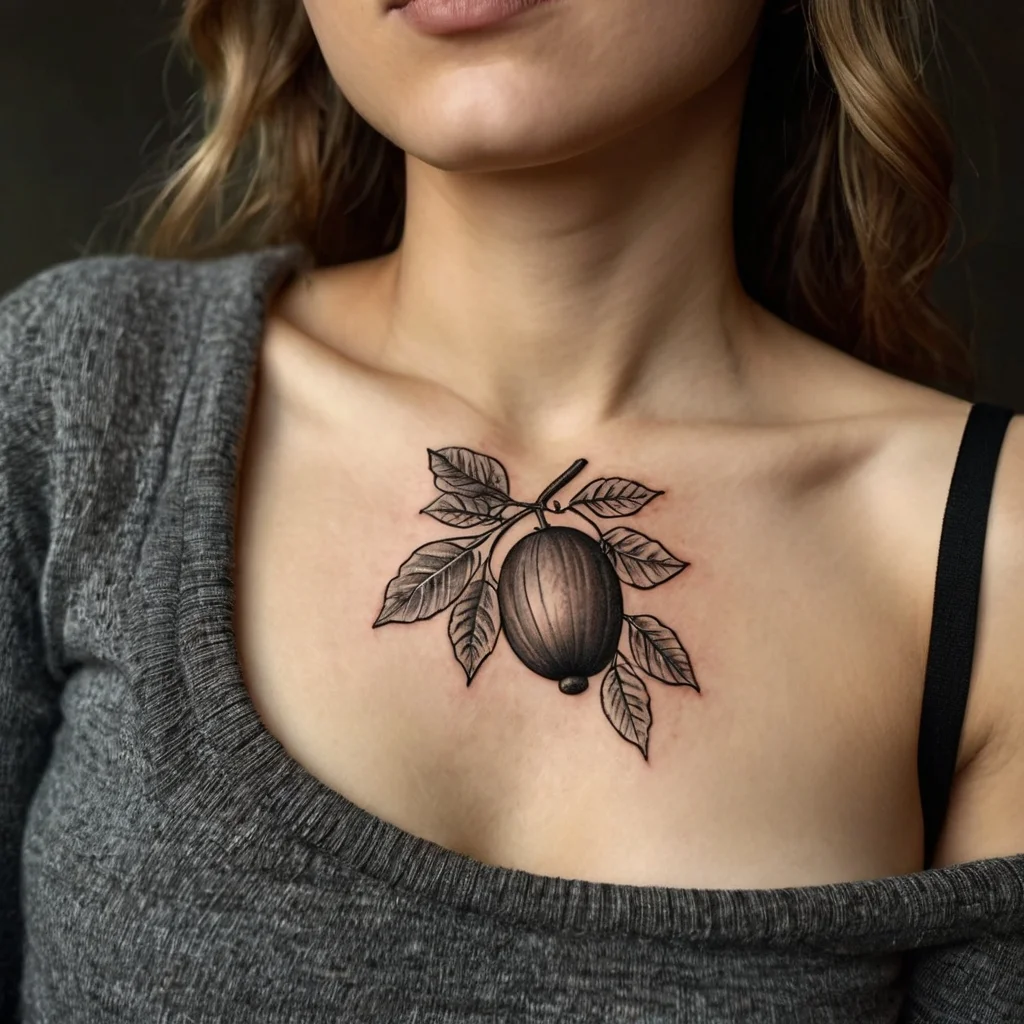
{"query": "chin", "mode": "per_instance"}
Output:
(496, 147)
(504, 129)
(474, 126)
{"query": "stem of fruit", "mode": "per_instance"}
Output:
(557, 484)
(554, 487)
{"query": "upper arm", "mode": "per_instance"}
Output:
(28, 694)
(986, 811)
(47, 326)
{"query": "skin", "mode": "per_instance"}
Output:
(566, 287)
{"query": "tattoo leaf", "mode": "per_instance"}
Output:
(639, 560)
(460, 510)
(430, 579)
(626, 703)
(613, 496)
(473, 627)
(657, 650)
(464, 471)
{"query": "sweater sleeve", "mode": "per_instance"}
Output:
(976, 982)
(29, 693)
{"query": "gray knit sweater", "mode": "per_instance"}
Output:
(162, 858)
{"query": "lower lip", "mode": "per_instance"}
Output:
(441, 17)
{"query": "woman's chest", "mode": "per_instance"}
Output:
(752, 680)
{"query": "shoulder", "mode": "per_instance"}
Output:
(903, 440)
(69, 326)
(90, 291)
(81, 343)
(96, 354)
(82, 337)
(70, 306)
(913, 469)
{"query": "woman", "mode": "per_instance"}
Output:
(485, 560)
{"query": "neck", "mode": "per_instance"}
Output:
(556, 297)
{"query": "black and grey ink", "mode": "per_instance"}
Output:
(559, 594)
(568, 631)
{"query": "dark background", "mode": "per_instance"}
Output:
(88, 104)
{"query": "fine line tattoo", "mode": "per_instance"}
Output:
(558, 597)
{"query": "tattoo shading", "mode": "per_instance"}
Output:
(558, 598)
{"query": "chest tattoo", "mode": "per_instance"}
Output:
(558, 595)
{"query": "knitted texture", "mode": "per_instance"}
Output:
(163, 859)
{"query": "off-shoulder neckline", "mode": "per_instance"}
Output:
(249, 766)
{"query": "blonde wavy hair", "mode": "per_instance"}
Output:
(844, 177)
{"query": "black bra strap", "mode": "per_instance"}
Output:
(955, 612)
